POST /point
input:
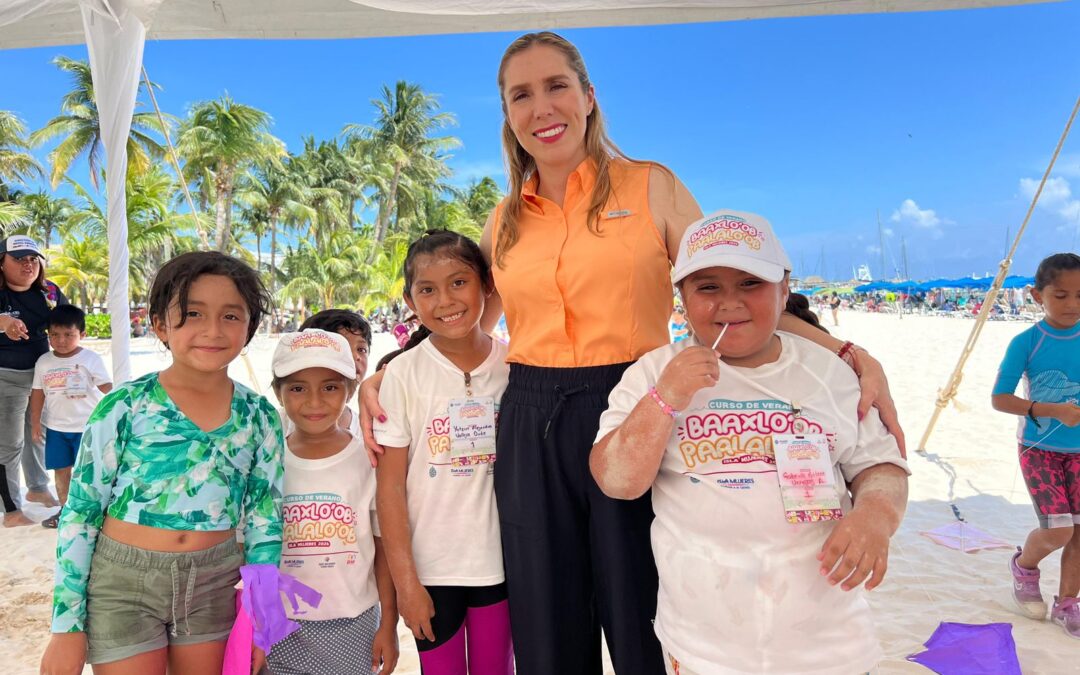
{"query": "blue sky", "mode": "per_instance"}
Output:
(938, 121)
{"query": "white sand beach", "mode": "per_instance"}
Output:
(927, 583)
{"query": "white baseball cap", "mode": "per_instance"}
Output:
(20, 246)
(313, 349)
(743, 241)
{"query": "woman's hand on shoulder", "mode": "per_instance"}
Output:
(875, 393)
(65, 655)
(370, 410)
(672, 206)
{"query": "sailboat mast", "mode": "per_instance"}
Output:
(881, 245)
(903, 256)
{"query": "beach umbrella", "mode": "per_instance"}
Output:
(116, 30)
(1018, 282)
(970, 649)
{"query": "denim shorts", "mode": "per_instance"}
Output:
(61, 447)
(140, 601)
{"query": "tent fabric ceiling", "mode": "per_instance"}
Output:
(36, 23)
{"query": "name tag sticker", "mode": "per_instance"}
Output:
(807, 481)
(622, 213)
(472, 430)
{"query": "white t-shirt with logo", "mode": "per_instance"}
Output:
(740, 586)
(455, 526)
(328, 521)
(71, 389)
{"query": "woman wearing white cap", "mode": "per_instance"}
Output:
(581, 251)
(25, 300)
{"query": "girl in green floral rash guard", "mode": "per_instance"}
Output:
(170, 465)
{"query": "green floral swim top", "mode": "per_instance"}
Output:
(143, 461)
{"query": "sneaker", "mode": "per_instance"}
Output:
(1066, 613)
(1026, 593)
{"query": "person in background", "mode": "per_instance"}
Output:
(69, 382)
(26, 297)
(1047, 358)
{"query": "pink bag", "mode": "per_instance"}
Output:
(238, 648)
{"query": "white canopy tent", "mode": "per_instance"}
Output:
(116, 30)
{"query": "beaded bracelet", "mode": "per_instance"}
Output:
(668, 410)
(845, 348)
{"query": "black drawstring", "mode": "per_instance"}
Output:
(563, 395)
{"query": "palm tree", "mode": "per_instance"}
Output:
(80, 125)
(219, 140)
(17, 165)
(481, 198)
(277, 191)
(80, 267)
(12, 218)
(151, 225)
(401, 134)
(383, 280)
(45, 214)
(321, 167)
(326, 277)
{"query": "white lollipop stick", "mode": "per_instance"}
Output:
(720, 336)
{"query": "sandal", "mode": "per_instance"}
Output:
(51, 522)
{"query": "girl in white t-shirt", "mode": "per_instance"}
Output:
(330, 538)
(754, 454)
(436, 497)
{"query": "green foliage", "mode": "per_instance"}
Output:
(79, 125)
(304, 219)
(98, 326)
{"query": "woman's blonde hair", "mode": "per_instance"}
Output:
(520, 165)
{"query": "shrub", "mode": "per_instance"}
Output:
(97, 325)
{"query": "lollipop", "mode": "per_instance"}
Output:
(720, 336)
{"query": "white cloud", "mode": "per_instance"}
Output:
(927, 220)
(887, 231)
(1056, 197)
(1068, 165)
(910, 213)
(873, 249)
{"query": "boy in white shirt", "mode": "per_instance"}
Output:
(68, 383)
(330, 538)
(751, 448)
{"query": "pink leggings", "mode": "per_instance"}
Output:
(472, 632)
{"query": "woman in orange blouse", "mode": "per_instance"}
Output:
(581, 250)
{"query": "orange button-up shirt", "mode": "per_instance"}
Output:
(573, 298)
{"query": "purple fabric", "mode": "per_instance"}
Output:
(964, 537)
(970, 649)
(261, 597)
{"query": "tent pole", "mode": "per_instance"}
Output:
(947, 393)
(176, 162)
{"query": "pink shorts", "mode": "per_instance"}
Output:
(1053, 481)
